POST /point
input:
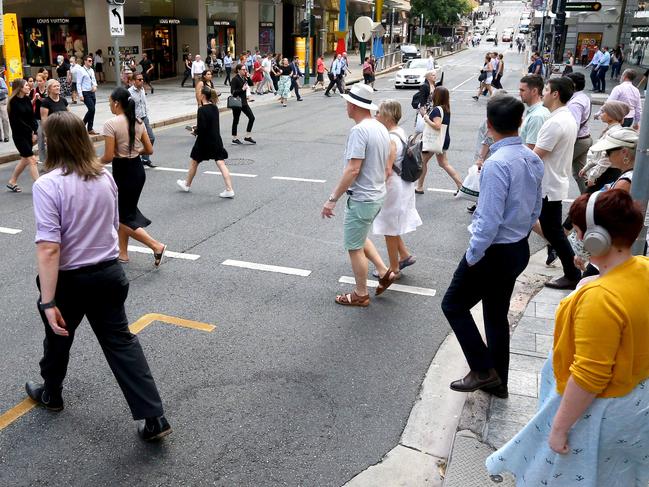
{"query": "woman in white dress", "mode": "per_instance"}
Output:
(486, 77)
(398, 215)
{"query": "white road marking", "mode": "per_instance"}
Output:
(284, 178)
(440, 190)
(268, 268)
(168, 253)
(473, 77)
(422, 291)
(170, 169)
(238, 174)
(9, 231)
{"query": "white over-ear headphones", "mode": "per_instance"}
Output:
(597, 240)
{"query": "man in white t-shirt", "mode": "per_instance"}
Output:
(555, 145)
(266, 65)
(363, 180)
(198, 66)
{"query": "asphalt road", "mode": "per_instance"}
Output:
(289, 389)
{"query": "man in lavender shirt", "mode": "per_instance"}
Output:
(580, 107)
(629, 94)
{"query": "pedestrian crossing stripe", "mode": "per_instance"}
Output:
(10, 231)
(422, 291)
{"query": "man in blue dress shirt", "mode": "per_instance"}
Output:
(602, 68)
(509, 205)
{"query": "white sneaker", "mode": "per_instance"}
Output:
(227, 194)
(181, 184)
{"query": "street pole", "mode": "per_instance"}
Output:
(421, 32)
(542, 41)
(117, 61)
(640, 186)
(307, 69)
(391, 30)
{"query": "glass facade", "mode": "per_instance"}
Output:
(223, 18)
(635, 33)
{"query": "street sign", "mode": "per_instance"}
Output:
(116, 20)
(583, 7)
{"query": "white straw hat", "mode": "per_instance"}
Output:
(361, 95)
(624, 137)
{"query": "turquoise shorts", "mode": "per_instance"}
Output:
(359, 216)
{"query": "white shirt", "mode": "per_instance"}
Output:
(558, 136)
(227, 61)
(431, 63)
(198, 67)
(266, 64)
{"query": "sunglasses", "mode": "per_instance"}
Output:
(610, 151)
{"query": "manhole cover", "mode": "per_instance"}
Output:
(239, 162)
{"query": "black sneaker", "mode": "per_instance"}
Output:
(6, 140)
(38, 393)
(237, 142)
(471, 208)
(552, 256)
(154, 429)
(149, 163)
(250, 140)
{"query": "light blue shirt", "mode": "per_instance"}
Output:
(337, 67)
(4, 91)
(510, 197)
(605, 60)
(596, 58)
(85, 79)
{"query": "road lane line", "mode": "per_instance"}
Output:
(286, 178)
(168, 253)
(170, 169)
(9, 231)
(440, 190)
(136, 327)
(268, 268)
(238, 174)
(464, 82)
(422, 291)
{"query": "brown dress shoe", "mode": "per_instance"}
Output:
(476, 380)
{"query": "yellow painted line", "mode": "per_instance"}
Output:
(16, 412)
(136, 327)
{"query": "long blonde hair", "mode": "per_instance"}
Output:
(69, 147)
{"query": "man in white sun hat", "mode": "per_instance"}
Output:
(363, 180)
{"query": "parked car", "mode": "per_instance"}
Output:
(491, 36)
(409, 51)
(414, 72)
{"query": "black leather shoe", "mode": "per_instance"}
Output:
(562, 283)
(250, 140)
(476, 380)
(552, 256)
(154, 428)
(149, 163)
(38, 393)
(498, 391)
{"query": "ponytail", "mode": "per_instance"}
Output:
(210, 94)
(123, 97)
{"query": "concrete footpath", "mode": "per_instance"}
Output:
(449, 434)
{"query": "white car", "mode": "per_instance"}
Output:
(491, 36)
(414, 72)
(409, 51)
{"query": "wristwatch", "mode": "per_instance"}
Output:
(44, 306)
(332, 199)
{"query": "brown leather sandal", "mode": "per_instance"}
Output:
(353, 299)
(386, 281)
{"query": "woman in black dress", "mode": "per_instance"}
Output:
(208, 143)
(125, 138)
(24, 130)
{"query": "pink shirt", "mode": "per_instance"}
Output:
(630, 95)
(79, 215)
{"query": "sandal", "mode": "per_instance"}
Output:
(419, 191)
(123, 261)
(408, 261)
(353, 299)
(15, 188)
(386, 281)
(158, 257)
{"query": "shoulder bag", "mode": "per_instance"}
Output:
(234, 102)
(433, 139)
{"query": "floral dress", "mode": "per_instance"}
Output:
(609, 445)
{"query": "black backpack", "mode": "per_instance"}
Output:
(411, 165)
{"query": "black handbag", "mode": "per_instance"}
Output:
(483, 76)
(234, 102)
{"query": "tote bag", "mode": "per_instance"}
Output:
(433, 139)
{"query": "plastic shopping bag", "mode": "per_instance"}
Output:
(470, 189)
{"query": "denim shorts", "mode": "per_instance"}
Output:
(359, 216)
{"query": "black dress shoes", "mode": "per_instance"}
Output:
(476, 380)
(53, 402)
(562, 283)
(149, 163)
(154, 428)
(498, 391)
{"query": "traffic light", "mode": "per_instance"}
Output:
(304, 28)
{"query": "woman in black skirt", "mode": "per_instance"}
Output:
(125, 138)
(209, 144)
(24, 130)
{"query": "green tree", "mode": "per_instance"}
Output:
(440, 12)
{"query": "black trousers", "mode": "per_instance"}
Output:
(601, 77)
(236, 113)
(550, 221)
(296, 87)
(227, 75)
(594, 79)
(98, 293)
(491, 280)
(90, 101)
(338, 81)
